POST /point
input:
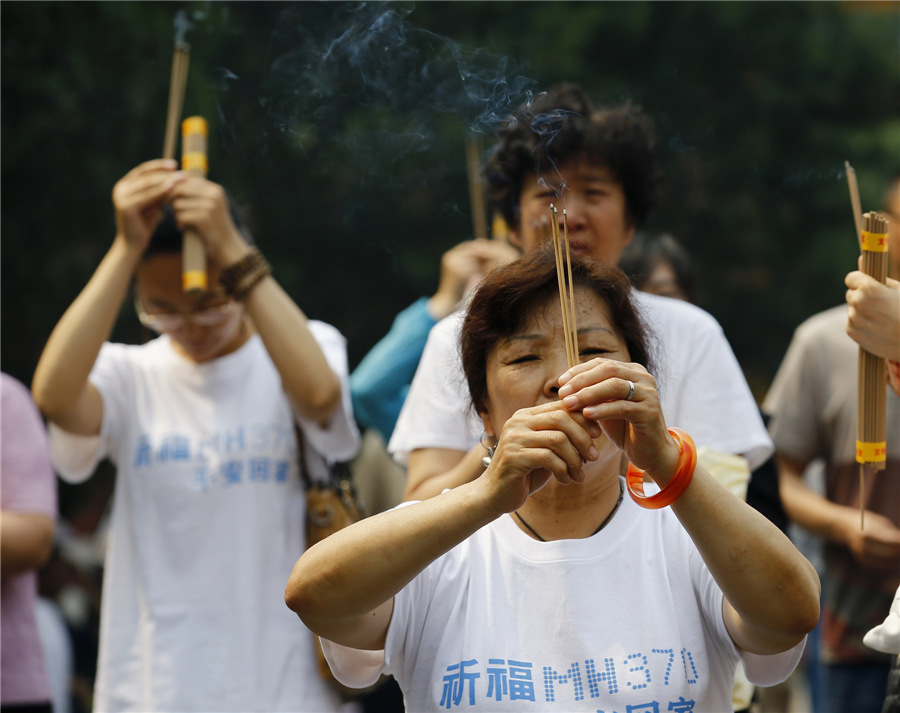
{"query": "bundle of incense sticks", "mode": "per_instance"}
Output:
(476, 192)
(566, 286)
(871, 400)
(176, 96)
(194, 130)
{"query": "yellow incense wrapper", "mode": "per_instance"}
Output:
(871, 452)
(874, 242)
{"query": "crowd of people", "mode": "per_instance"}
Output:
(604, 530)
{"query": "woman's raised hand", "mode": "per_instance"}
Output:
(138, 199)
(202, 205)
(601, 390)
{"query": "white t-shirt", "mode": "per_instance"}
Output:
(701, 386)
(629, 619)
(207, 522)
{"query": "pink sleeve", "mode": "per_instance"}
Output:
(28, 480)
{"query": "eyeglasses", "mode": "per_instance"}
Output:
(167, 322)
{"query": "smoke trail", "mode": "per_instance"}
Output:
(363, 75)
(182, 24)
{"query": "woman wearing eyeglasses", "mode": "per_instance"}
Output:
(201, 425)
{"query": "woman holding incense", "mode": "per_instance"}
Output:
(202, 425)
(600, 166)
(543, 583)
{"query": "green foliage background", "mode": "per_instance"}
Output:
(341, 128)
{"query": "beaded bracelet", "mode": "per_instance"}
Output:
(239, 278)
(262, 272)
(231, 276)
(684, 472)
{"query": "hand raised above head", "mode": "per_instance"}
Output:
(202, 205)
(461, 265)
(138, 198)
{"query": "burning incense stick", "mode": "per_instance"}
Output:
(476, 193)
(560, 280)
(176, 96)
(871, 400)
(573, 332)
(854, 201)
(194, 131)
(566, 286)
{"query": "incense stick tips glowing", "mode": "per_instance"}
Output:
(566, 285)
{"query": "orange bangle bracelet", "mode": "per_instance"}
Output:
(684, 472)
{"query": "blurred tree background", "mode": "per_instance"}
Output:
(341, 128)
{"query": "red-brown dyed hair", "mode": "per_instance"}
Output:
(508, 295)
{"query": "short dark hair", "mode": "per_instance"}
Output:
(560, 125)
(506, 296)
(647, 250)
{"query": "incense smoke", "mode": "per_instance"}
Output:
(182, 25)
(363, 75)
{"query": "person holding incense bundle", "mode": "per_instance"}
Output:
(599, 166)
(202, 424)
(568, 587)
(813, 407)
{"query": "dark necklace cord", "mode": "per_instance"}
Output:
(602, 524)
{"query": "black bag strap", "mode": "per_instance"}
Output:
(301, 457)
(340, 476)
